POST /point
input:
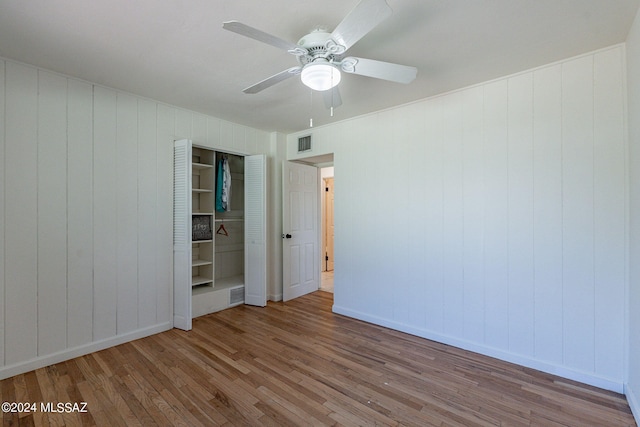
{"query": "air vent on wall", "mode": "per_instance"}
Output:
(304, 143)
(236, 295)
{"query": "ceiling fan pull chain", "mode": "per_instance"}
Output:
(332, 92)
(311, 108)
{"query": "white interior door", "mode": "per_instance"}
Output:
(255, 230)
(182, 235)
(300, 225)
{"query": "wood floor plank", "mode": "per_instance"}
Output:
(297, 363)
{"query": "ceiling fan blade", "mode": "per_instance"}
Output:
(379, 69)
(332, 97)
(261, 36)
(270, 81)
(363, 18)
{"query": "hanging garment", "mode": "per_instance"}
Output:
(223, 186)
(226, 188)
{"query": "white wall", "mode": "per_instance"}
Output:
(277, 154)
(86, 213)
(632, 389)
(496, 221)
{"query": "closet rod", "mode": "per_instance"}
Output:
(229, 220)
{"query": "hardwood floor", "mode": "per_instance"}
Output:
(299, 364)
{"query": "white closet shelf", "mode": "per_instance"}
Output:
(229, 282)
(198, 166)
(194, 242)
(201, 213)
(198, 280)
(203, 289)
(200, 262)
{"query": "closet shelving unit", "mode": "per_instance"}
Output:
(202, 210)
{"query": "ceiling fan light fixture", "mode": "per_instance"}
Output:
(320, 76)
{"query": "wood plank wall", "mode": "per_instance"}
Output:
(86, 212)
(632, 49)
(493, 217)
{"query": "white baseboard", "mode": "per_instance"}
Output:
(634, 403)
(70, 353)
(275, 297)
(550, 368)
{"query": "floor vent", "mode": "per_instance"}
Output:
(236, 295)
(304, 143)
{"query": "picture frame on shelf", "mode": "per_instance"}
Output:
(201, 228)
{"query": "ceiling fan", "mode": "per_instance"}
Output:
(321, 57)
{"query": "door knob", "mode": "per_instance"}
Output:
(288, 236)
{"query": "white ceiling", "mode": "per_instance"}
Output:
(175, 51)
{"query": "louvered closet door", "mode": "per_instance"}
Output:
(255, 229)
(182, 235)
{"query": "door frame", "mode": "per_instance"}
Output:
(325, 177)
(319, 162)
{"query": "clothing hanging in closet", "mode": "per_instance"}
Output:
(223, 186)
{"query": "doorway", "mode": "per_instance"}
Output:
(327, 224)
(304, 254)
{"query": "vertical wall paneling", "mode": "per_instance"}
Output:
(226, 135)
(361, 145)
(86, 214)
(251, 145)
(148, 248)
(127, 211)
(609, 209)
(375, 139)
(2, 209)
(52, 213)
(632, 298)
(401, 240)
(414, 150)
(431, 158)
(473, 207)
(577, 191)
(105, 224)
(348, 228)
(411, 147)
(495, 196)
(79, 213)
(239, 138)
(21, 208)
(547, 213)
(184, 124)
(213, 132)
(199, 129)
(528, 228)
(453, 224)
(520, 219)
(164, 191)
(347, 225)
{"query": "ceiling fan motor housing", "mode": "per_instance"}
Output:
(319, 44)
